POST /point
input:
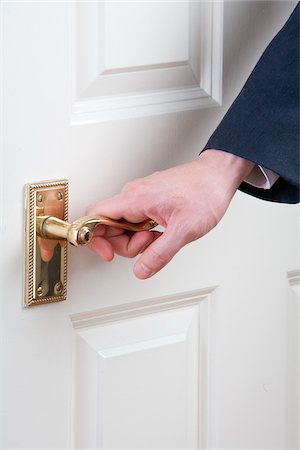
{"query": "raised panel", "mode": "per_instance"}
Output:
(142, 58)
(141, 375)
(151, 32)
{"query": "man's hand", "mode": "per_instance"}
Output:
(188, 201)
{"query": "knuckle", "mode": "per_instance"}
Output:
(132, 185)
(127, 187)
(158, 258)
(139, 182)
(188, 229)
(131, 253)
(133, 190)
(154, 174)
(192, 231)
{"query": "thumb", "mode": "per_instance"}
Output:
(159, 253)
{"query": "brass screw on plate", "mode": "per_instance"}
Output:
(58, 288)
(39, 291)
(59, 196)
(40, 198)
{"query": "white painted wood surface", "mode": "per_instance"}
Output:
(133, 59)
(211, 360)
(293, 360)
(134, 366)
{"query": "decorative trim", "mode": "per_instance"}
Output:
(94, 110)
(294, 277)
(205, 63)
(141, 308)
(201, 299)
(294, 281)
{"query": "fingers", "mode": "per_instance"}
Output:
(123, 245)
(159, 253)
(117, 207)
(107, 231)
(157, 248)
(111, 207)
(102, 247)
(130, 247)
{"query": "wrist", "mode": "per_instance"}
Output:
(233, 169)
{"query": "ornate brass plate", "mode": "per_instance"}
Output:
(45, 260)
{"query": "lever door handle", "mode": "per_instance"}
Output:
(80, 232)
(47, 233)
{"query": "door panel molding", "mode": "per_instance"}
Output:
(135, 309)
(113, 83)
(128, 359)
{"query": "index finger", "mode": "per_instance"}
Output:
(118, 207)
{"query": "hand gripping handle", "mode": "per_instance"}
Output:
(80, 232)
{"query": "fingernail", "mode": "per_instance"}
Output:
(142, 271)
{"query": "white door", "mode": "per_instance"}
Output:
(204, 354)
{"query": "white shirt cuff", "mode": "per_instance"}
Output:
(261, 178)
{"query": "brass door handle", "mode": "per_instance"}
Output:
(47, 233)
(80, 232)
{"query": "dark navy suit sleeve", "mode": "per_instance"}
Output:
(262, 125)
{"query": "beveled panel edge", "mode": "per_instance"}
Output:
(206, 309)
(207, 94)
(211, 60)
(139, 308)
(293, 277)
(29, 240)
(143, 68)
(98, 110)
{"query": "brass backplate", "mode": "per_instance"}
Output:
(45, 259)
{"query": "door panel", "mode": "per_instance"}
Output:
(141, 374)
(108, 368)
(133, 59)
